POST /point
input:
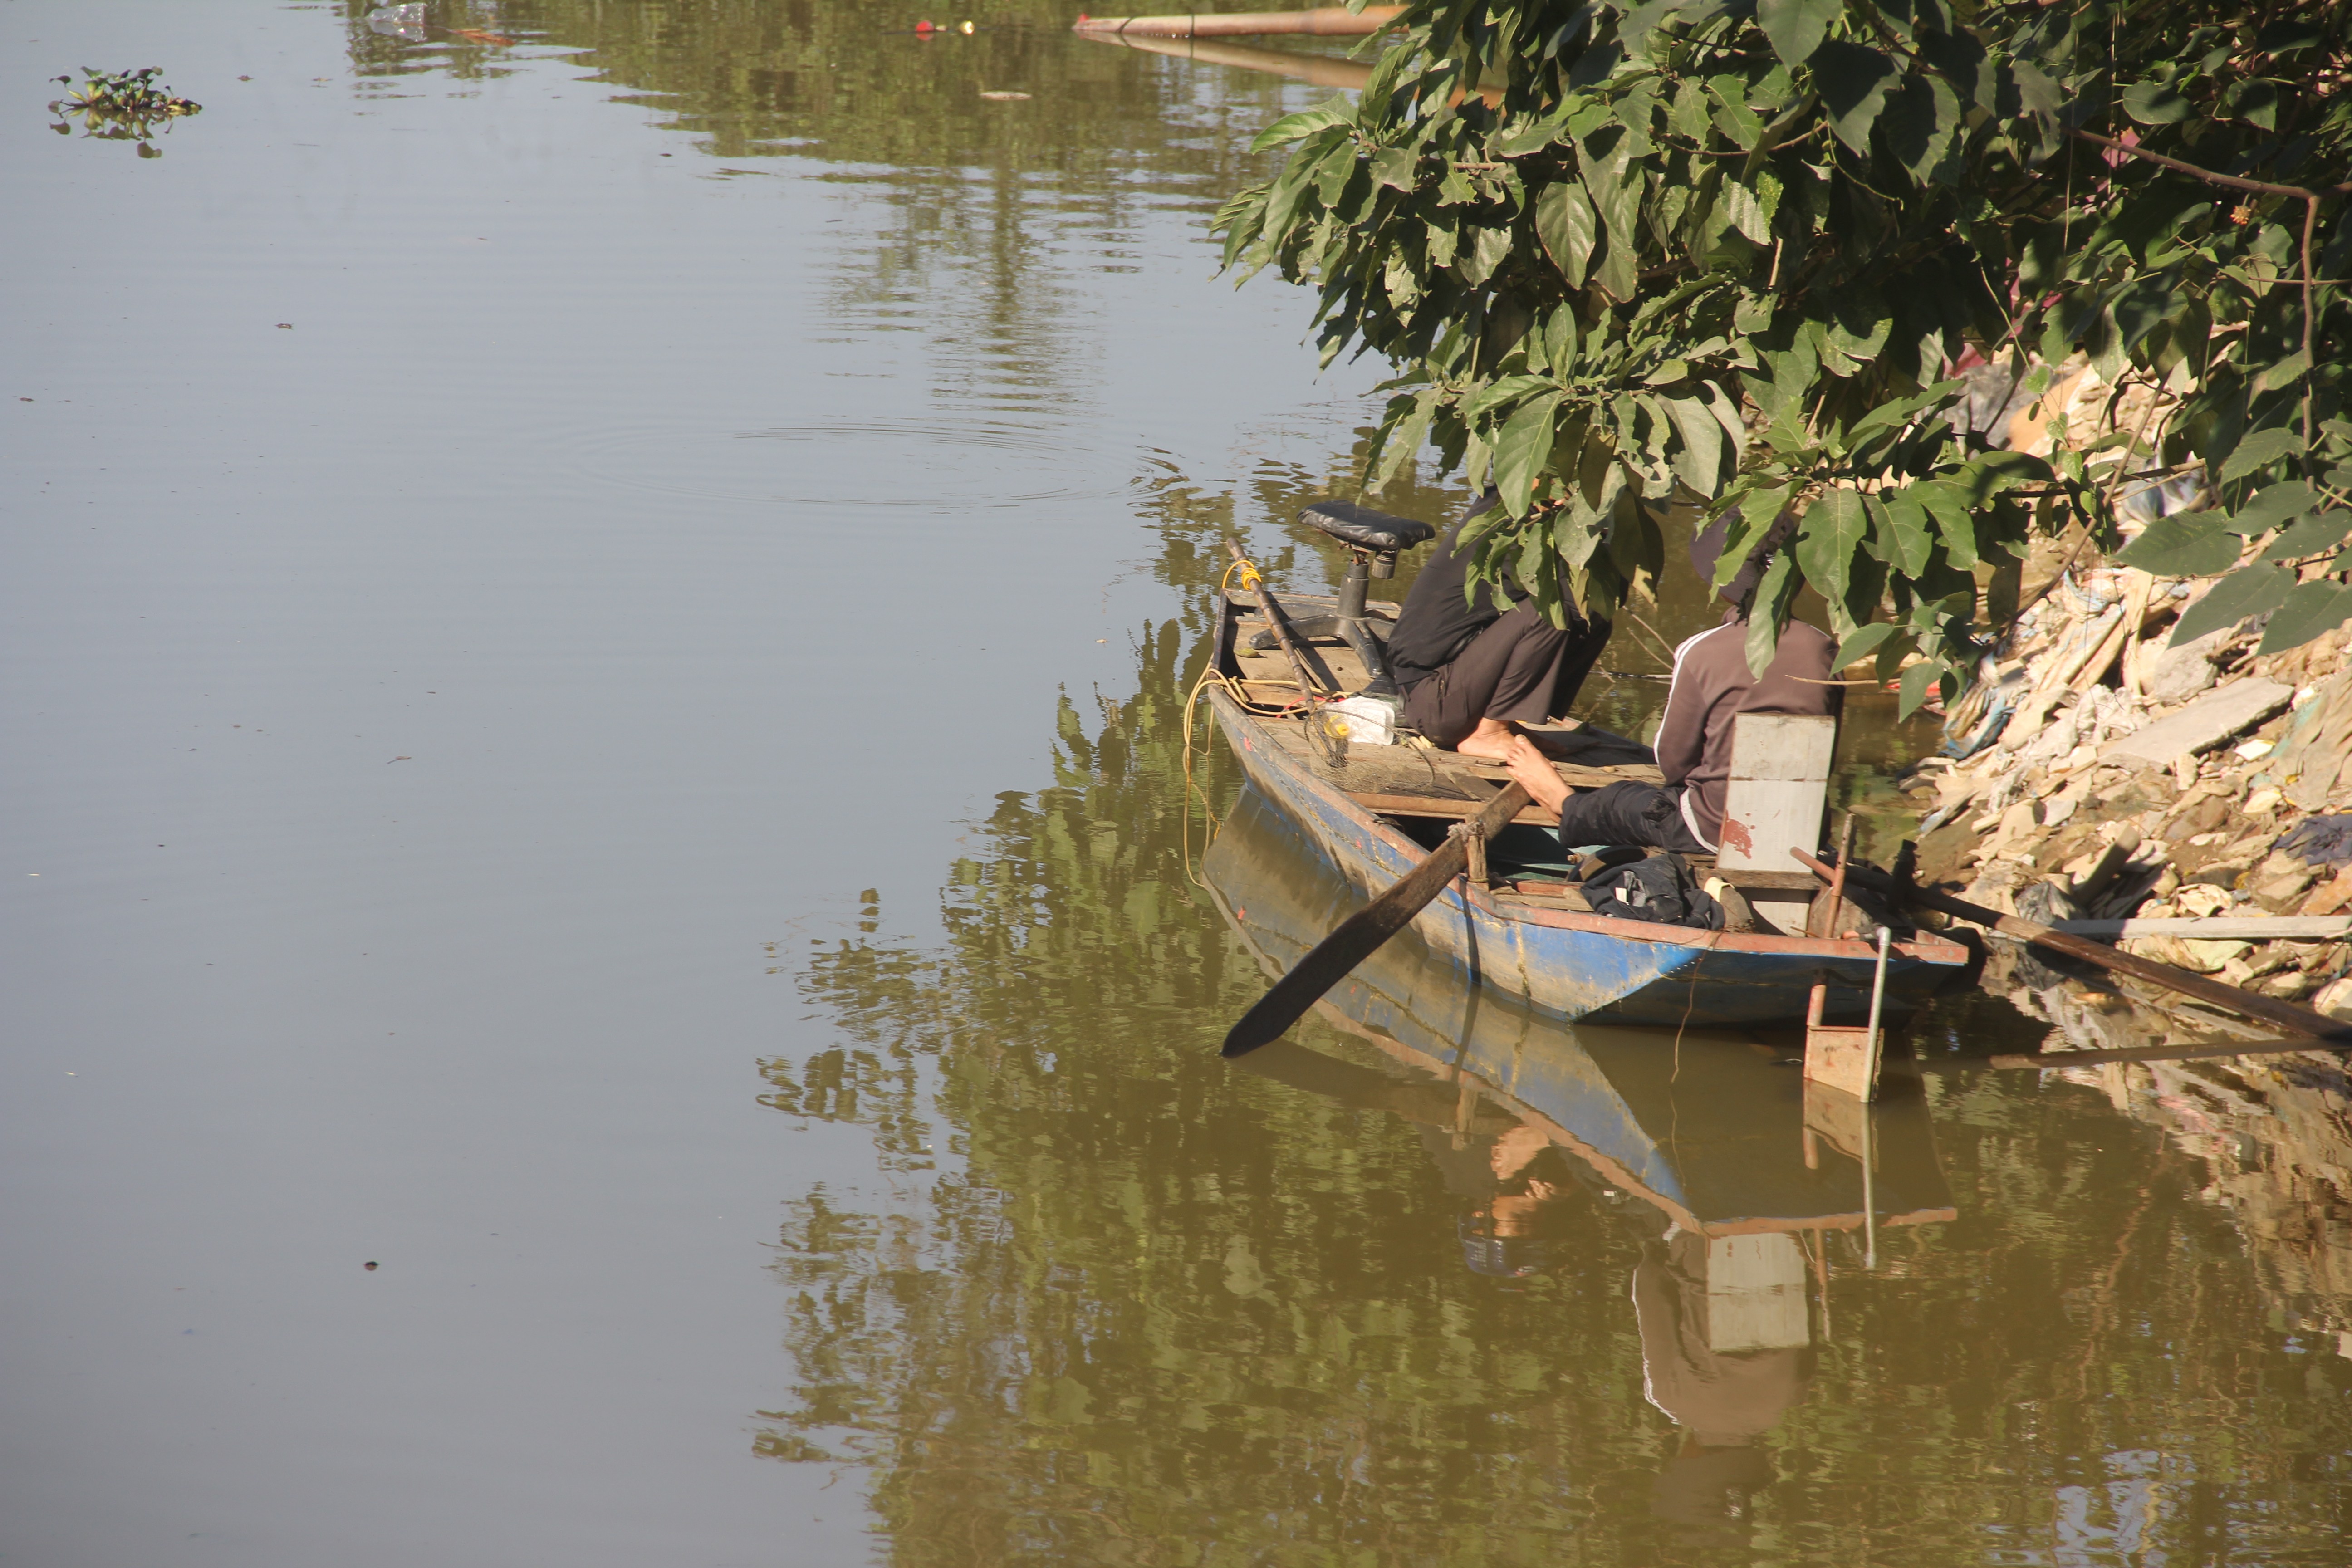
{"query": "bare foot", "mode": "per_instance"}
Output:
(1532, 769)
(1491, 740)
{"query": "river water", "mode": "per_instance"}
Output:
(606, 963)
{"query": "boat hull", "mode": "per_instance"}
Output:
(1721, 1137)
(1572, 965)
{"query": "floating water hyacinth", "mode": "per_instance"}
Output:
(121, 105)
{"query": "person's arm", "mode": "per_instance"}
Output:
(1682, 732)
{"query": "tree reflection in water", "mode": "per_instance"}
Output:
(1128, 1305)
(1151, 1309)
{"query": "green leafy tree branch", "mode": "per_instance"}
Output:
(1726, 251)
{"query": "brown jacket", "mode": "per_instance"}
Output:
(1712, 686)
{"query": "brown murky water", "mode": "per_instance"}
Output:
(625, 765)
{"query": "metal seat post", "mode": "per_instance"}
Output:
(1372, 540)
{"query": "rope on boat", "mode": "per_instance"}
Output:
(1239, 690)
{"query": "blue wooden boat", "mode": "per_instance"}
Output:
(1721, 1136)
(1375, 816)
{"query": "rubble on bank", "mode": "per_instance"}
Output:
(2131, 779)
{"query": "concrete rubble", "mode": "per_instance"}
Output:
(2135, 779)
(2102, 773)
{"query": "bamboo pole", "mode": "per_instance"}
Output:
(1318, 71)
(1323, 22)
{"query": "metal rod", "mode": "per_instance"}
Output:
(1869, 1189)
(1869, 1126)
(1878, 999)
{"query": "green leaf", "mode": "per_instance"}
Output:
(1699, 458)
(1616, 184)
(1565, 223)
(1771, 611)
(1892, 653)
(2186, 544)
(2308, 609)
(1865, 587)
(1732, 114)
(1861, 326)
(1560, 338)
(1305, 123)
(1921, 115)
(2248, 590)
(1746, 529)
(2269, 507)
(1918, 682)
(1527, 135)
(2155, 103)
(1520, 450)
(1490, 247)
(1906, 523)
(1832, 530)
(1984, 477)
(2286, 373)
(1854, 82)
(1394, 167)
(2259, 450)
(1796, 27)
(2253, 100)
(1863, 640)
(1952, 520)
(2319, 531)
(1400, 439)
(2039, 95)
(1689, 116)
(1749, 215)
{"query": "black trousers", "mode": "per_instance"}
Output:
(1520, 667)
(1627, 813)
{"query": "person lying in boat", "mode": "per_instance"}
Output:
(1469, 667)
(1712, 686)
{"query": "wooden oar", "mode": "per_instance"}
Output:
(2245, 1003)
(1361, 934)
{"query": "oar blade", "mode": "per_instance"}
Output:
(1361, 934)
(1358, 937)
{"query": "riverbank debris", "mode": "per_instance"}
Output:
(2131, 779)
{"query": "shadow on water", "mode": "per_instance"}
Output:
(1440, 1282)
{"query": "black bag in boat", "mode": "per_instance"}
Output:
(1659, 888)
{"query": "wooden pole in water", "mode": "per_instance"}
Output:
(2272, 1010)
(1323, 22)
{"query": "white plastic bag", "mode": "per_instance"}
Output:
(1369, 721)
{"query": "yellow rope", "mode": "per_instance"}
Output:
(1192, 700)
(1211, 676)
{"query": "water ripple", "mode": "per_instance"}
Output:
(949, 464)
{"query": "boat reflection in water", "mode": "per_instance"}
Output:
(1708, 1145)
